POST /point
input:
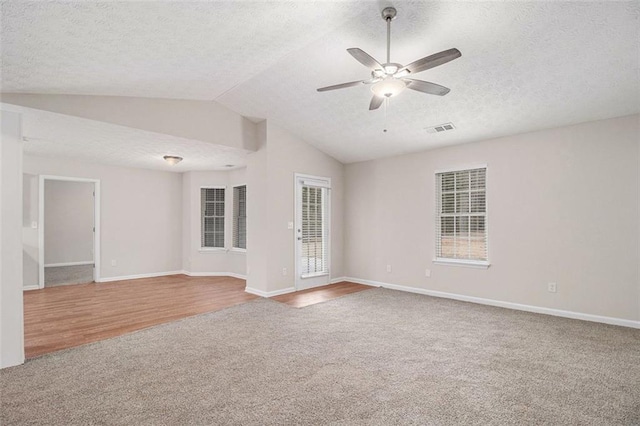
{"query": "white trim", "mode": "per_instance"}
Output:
(467, 263)
(55, 265)
(461, 168)
(509, 305)
(96, 223)
(269, 293)
(213, 249)
(30, 287)
(237, 250)
(135, 277)
(338, 280)
(215, 274)
(215, 187)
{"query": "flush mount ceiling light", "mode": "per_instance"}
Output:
(172, 159)
(390, 79)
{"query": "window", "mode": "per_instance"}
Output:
(314, 229)
(240, 217)
(461, 216)
(212, 215)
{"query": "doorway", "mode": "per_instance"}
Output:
(312, 231)
(69, 231)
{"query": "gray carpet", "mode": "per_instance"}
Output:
(66, 275)
(374, 357)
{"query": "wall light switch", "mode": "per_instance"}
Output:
(388, 268)
(427, 273)
(34, 225)
(284, 271)
(113, 262)
(290, 225)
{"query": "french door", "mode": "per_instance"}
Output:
(312, 231)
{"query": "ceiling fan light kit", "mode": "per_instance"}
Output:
(390, 79)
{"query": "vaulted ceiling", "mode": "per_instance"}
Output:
(524, 65)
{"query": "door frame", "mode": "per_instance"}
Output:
(96, 223)
(298, 225)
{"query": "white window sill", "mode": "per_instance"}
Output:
(212, 249)
(317, 274)
(478, 264)
(238, 250)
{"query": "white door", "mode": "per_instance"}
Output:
(313, 230)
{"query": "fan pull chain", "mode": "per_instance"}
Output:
(386, 103)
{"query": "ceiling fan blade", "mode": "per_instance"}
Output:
(431, 61)
(426, 87)
(364, 58)
(376, 101)
(343, 85)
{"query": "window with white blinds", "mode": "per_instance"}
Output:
(461, 215)
(212, 215)
(240, 217)
(314, 231)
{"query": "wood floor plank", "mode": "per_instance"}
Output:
(300, 299)
(62, 317)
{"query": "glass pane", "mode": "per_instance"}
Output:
(462, 202)
(209, 223)
(448, 203)
(478, 178)
(462, 181)
(478, 202)
(447, 181)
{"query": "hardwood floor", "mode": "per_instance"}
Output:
(303, 298)
(62, 317)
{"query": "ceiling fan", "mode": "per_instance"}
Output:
(390, 78)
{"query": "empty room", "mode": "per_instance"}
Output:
(320, 212)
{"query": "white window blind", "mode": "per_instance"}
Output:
(240, 217)
(212, 225)
(314, 231)
(461, 215)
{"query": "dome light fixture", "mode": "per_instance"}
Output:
(388, 87)
(172, 159)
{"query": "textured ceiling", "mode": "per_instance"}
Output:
(55, 135)
(524, 65)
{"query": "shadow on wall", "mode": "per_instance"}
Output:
(29, 232)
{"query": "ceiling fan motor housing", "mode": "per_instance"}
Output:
(389, 13)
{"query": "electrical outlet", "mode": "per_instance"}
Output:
(114, 262)
(552, 287)
(290, 225)
(284, 271)
(389, 268)
(427, 273)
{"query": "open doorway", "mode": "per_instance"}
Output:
(69, 233)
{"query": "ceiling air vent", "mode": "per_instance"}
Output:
(441, 128)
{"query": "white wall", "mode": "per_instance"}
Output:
(271, 206)
(562, 207)
(206, 121)
(141, 215)
(11, 308)
(68, 222)
(195, 259)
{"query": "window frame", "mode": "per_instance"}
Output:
(470, 263)
(224, 220)
(233, 219)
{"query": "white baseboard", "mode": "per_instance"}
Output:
(135, 277)
(337, 280)
(54, 265)
(30, 287)
(269, 293)
(509, 305)
(215, 274)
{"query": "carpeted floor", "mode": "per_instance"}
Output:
(374, 357)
